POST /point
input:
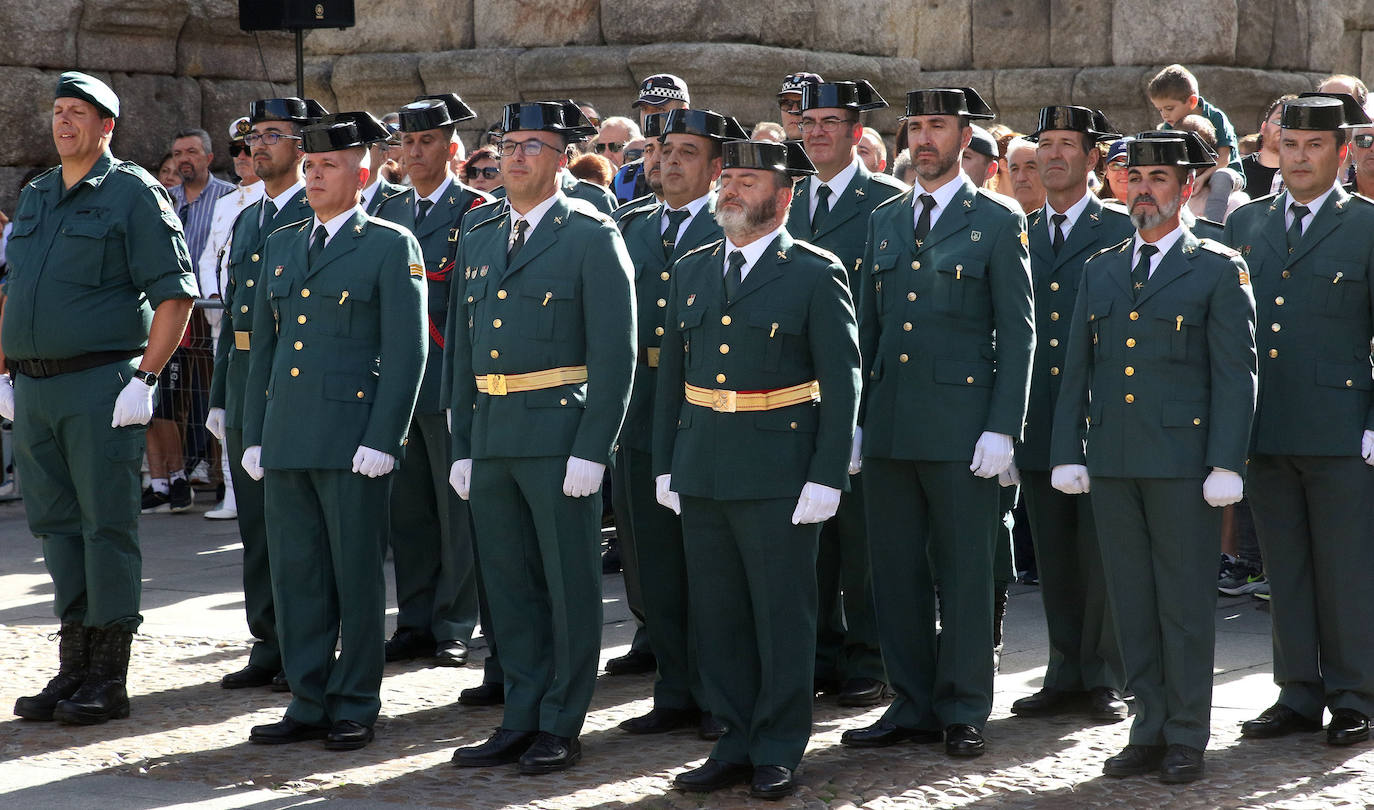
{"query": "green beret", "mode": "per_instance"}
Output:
(88, 88)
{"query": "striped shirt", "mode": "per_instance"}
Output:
(196, 217)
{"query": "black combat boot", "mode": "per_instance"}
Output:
(73, 654)
(103, 696)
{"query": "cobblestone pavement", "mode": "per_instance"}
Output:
(185, 729)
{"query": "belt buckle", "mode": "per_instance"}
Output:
(496, 385)
(723, 401)
(651, 356)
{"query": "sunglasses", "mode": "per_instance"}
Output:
(1363, 141)
(488, 172)
(236, 149)
(790, 106)
(612, 146)
(631, 155)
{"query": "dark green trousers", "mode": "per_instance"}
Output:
(929, 521)
(1160, 542)
(81, 492)
(1083, 649)
(431, 540)
(625, 537)
(541, 564)
(1314, 516)
(752, 576)
(662, 568)
(326, 535)
(257, 570)
(847, 640)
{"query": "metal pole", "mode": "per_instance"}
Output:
(300, 63)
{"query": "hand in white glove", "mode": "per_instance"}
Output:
(1223, 488)
(460, 477)
(663, 490)
(856, 455)
(1070, 479)
(252, 462)
(583, 477)
(817, 504)
(1010, 477)
(134, 405)
(7, 397)
(991, 455)
(372, 463)
(1366, 443)
(214, 422)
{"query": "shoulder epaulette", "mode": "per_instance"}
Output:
(896, 199)
(1122, 245)
(708, 247)
(1218, 248)
(820, 252)
(887, 180)
(299, 225)
(588, 210)
(1003, 200)
(129, 167)
(386, 223)
(1116, 207)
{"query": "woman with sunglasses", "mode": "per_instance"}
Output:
(482, 170)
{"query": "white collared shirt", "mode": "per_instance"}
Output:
(280, 200)
(1313, 206)
(1164, 244)
(692, 207)
(837, 185)
(533, 217)
(369, 193)
(752, 252)
(943, 195)
(333, 225)
(434, 196)
(1071, 216)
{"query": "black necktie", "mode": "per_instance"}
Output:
(1141, 272)
(675, 220)
(1058, 220)
(317, 244)
(822, 208)
(733, 276)
(425, 205)
(519, 241)
(1295, 230)
(269, 210)
(923, 221)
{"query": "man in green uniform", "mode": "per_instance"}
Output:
(947, 271)
(656, 236)
(338, 349)
(274, 139)
(1073, 225)
(1160, 376)
(1310, 252)
(543, 356)
(431, 532)
(753, 419)
(831, 210)
(97, 296)
(379, 189)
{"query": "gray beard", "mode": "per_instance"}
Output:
(750, 221)
(1144, 221)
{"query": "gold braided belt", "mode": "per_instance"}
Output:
(732, 401)
(498, 385)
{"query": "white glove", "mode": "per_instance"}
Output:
(1223, 488)
(663, 490)
(252, 462)
(372, 463)
(134, 405)
(460, 477)
(1070, 479)
(856, 456)
(1366, 444)
(1010, 477)
(7, 397)
(817, 504)
(991, 455)
(583, 477)
(214, 422)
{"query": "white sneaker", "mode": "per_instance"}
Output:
(222, 513)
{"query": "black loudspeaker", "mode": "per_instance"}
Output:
(278, 15)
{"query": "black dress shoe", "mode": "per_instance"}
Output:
(407, 644)
(633, 662)
(863, 692)
(709, 728)
(279, 683)
(451, 653)
(501, 748)
(286, 730)
(963, 740)
(248, 677)
(1182, 763)
(883, 733)
(1106, 706)
(1134, 760)
(488, 694)
(661, 720)
(1278, 721)
(772, 782)
(712, 775)
(1347, 727)
(1048, 701)
(346, 735)
(549, 753)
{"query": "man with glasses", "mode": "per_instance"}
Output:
(1362, 158)
(611, 138)
(542, 352)
(830, 209)
(274, 139)
(789, 102)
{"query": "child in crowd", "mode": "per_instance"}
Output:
(1174, 93)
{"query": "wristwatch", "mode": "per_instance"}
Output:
(149, 378)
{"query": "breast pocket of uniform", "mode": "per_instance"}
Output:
(549, 302)
(79, 251)
(881, 275)
(354, 309)
(775, 329)
(1180, 325)
(689, 323)
(473, 295)
(278, 296)
(1098, 313)
(962, 287)
(1339, 288)
(20, 249)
